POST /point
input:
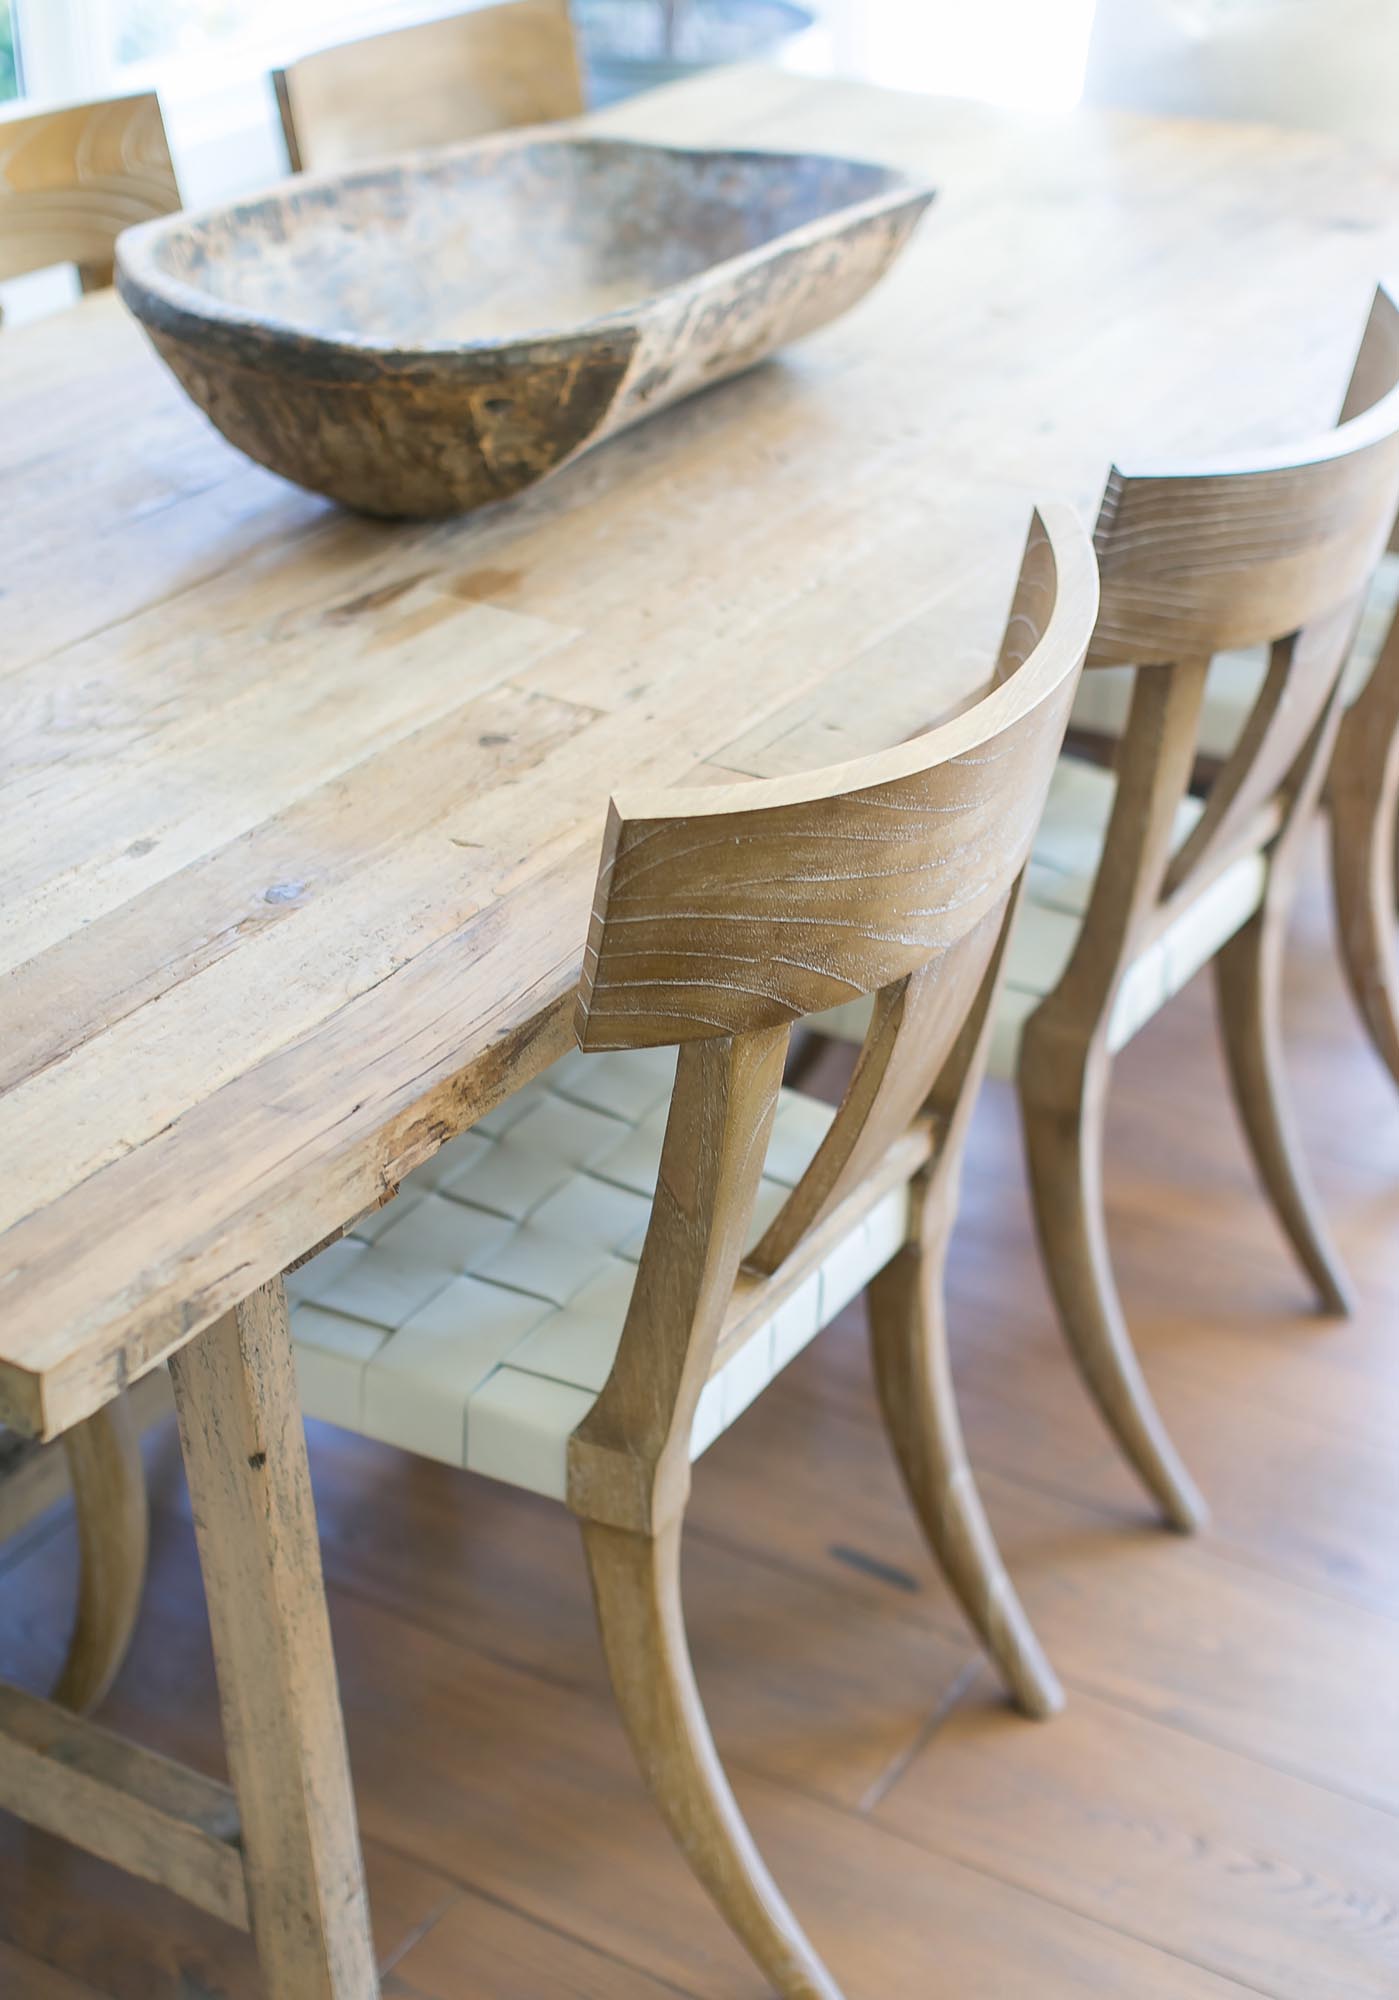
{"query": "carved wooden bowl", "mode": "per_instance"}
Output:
(428, 335)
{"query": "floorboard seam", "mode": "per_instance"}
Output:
(922, 1737)
(417, 1932)
(1113, 1699)
(1039, 1896)
(499, 1902)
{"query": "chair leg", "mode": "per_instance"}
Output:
(1364, 801)
(109, 1495)
(1063, 1147)
(908, 1342)
(1248, 987)
(636, 1588)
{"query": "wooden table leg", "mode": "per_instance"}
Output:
(245, 1453)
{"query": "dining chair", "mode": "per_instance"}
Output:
(1361, 795)
(580, 1293)
(1137, 882)
(1332, 69)
(71, 179)
(514, 62)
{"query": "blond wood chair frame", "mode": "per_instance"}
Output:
(721, 917)
(1194, 562)
(1362, 793)
(1361, 801)
(514, 62)
(1329, 70)
(72, 178)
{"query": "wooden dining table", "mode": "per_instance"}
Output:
(301, 812)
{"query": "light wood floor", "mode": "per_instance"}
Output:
(1216, 1814)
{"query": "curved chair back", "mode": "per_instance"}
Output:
(72, 179)
(721, 916)
(512, 63)
(1197, 560)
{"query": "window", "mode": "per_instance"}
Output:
(9, 67)
(137, 31)
(78, 47)
(1020, 52)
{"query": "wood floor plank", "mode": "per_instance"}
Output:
(804, 1678)
(496, 1778)
(94, 1925)
(1162, 1625)
(1266, 1879)
(25, 1978)
(481, 1947)
(527, 1790)
(127, 1939)
(1266, 1406)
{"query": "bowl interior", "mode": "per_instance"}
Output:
(493, 243)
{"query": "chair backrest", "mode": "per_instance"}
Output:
(511, 63)
(721, 916)
(729, 913)
(1279, 550)
(72, 179)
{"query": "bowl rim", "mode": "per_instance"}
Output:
(172, 307)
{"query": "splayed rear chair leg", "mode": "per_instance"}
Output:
(1063, 1146)
(908, 1342)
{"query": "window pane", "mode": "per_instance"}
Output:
(9, 78)
(146, 30)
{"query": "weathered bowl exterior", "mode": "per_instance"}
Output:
(427, 336)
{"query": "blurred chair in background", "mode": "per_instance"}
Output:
(515, 63)
(72, 178)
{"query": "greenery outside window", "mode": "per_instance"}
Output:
(9, 67)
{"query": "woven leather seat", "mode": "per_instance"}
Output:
(476, 1318)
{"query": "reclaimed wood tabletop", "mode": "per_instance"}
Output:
(301, 812)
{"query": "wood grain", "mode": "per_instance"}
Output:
(516, 1959)
(721, 914)
(439, 370)
(153, 1818)
(241, 1436)
(72, 179)
(1257, 1875)
(1277, 548)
